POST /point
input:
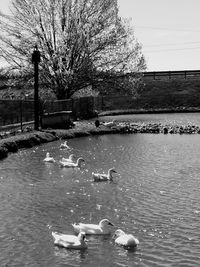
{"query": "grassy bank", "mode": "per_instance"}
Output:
(174, 93)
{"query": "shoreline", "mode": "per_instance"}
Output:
(87, 128)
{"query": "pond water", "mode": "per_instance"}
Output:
(165, 118)
(155, 196)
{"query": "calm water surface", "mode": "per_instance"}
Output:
(155, 196)
(166, 118)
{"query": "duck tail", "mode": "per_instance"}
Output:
(96, 178)
(137, 242)
(76, 227)
(61, 163)
(55, 236)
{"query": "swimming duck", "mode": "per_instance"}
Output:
(126, 240)
(93, 229)
(70, 159)
(98, 177)
(64, 145)
(72, 164)
(110, 123)
(48, 158)
(70, 241)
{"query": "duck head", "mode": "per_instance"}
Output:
(81, 236)
(112, 170)
(105, 222)
(118, 233)
(79, 161)
(72, 156)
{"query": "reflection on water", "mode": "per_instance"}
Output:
(155, 196)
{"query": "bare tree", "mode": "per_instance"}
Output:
(78, 39)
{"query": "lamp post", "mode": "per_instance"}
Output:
(35, 61)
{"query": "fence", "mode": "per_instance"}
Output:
(20, 111)
(16, 111)
(182, 74)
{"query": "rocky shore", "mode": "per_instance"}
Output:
(86, 128)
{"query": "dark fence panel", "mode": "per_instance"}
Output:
(16, 111)
(13, 112)
(178, 74)
(49, 106)
(84, 107)
(20, 111)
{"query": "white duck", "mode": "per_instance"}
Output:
(109, 123)
(93, 229)
(126, 240)
(64, 145)
(70, 241)
(70, 159)
(48, 158)
(98, 177)
(72, 164)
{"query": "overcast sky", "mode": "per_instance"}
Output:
(169, 31)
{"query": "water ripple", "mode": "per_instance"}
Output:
(155, 196)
